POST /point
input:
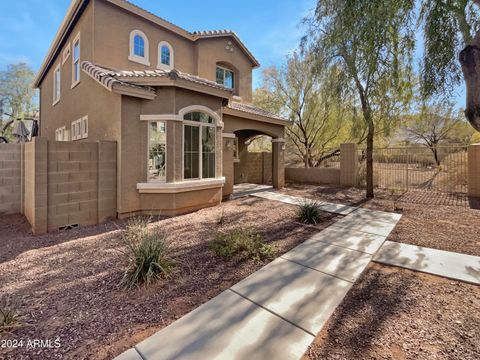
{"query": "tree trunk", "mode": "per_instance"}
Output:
(470, 61)
(369, 175)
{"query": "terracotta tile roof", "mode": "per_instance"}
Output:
(172, 74)
(107, 77)
(247, 108)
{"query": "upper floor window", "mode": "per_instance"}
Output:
(165, 56)
(57, 80)
(76, 61)
(225, 77)
(139, 48)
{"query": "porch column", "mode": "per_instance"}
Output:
(228, 172)
(474, 170)
(278, 165)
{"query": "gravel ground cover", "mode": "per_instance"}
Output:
(67, 282)
(434, 220)
(397, 314)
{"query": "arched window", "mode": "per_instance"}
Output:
(198, 146)
(139, 48)
(165, 56)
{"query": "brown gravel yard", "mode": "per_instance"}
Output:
(434, 220)
(67, 282)
(392, 313)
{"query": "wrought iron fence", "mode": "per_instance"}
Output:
(443, 169)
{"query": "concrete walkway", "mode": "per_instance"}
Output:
(437, 262)
(276, 312)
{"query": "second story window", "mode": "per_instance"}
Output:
(165, 56)
(225, 77)
(139, 48)
(56, 85)
(76, 61)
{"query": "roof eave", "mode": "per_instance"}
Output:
(72, 12)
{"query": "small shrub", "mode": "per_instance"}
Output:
(147, 254)
(10, 318)
(309, 212)
(242, 243)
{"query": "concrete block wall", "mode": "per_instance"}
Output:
(10, 178)
(312, 176)
(259, 167)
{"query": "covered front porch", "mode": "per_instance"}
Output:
(242, 124)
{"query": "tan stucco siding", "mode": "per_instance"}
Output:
(212, 51)
(113, 26)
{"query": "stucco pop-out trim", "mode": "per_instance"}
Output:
(229, 135)
(160, 117)
(179, 187)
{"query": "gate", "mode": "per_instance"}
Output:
(419, 168)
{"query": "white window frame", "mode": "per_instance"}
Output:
(200, 157)
(160, 65)
(135, 58)
(61, 134)
(77, 40)
(225, 69)
(57, 86)
(66, 53)
(84, 127)
(158, 181)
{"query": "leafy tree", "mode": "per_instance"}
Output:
(371, 42)
(305, 93)
(18, 100)
(448, 27)
(436, 125)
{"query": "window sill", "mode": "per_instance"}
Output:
(164, 67)
(179, 187)
(139, 60)
(56, 102)
(75, 84)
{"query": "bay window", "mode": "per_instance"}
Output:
(198, 146)
(157, 151)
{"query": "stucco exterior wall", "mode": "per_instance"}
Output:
(10, 178)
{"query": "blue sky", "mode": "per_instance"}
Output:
(271, 29)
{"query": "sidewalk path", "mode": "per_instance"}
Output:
(437, 262)
(276, 312)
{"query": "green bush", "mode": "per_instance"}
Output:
(147, 254)
(309, 212)
(10, 318)
(244, 244)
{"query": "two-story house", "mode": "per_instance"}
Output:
(177, 103)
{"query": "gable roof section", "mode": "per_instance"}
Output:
(77, 6)
(140, 82)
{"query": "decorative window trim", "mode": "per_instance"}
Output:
(200, 108)
(66, 53)
(76, 41)
(180, 187)
(160, 181)
(135, 58)
(160, 117)
(57, 91)
(160, 65)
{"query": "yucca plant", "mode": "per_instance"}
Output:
(309, 212)
(10, 318)
(148, 254)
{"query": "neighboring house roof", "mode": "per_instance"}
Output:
(142, 81)
(236, 108)
(77, 7)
